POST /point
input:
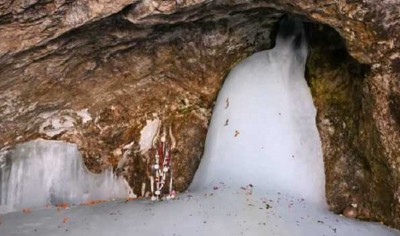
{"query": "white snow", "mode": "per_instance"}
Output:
(85, 115)
(55, 124)
(148, 133)
(40, 173)
(261, 174)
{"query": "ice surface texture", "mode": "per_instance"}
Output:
(40, 172)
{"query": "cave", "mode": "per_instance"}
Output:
(96, 74)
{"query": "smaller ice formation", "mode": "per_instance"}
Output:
(42, 172)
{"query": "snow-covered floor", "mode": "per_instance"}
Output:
(261, 174)
(224, 211)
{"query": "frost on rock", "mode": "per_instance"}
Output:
(55, 124)
(40, 173)
(148, 133)
(85, 115)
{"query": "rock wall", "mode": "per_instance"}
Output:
(93, 73)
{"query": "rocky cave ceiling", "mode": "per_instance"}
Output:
(93, 72)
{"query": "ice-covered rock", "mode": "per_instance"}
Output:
(41, 172)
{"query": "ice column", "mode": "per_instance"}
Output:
(263, 128)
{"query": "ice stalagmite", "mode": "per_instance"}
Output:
(40, 172)
(263, 127)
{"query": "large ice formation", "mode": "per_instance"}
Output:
(40, 173)
(263, 127)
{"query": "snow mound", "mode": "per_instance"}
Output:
(41, 172)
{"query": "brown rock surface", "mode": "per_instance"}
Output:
(93, 72)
